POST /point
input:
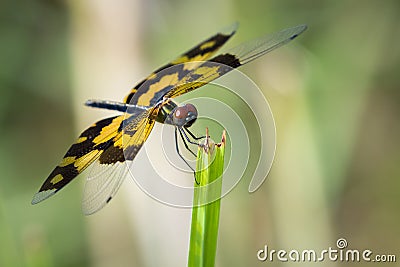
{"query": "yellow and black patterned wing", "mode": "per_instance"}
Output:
(179, 79)
(89, 147)
(101, 143)
(109, 171)
(219, 65)
(201, 52)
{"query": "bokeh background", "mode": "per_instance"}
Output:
(334, 93)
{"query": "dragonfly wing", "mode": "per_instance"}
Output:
(109, 171)
(89, 147)
(233, 58)
(102, 184)
(200, 52)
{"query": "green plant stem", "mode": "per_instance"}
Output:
(206, 204)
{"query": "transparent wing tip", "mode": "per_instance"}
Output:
(91, 211)
(42, 195)
(297, 30)
(90, 207)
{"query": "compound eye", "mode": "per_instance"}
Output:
(192, 109)
(179, 116)
(185, 115)
(181, 112)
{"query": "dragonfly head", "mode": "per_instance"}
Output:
(184, 116)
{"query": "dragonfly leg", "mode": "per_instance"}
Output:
(183, 137)
(180, 155)
(179, 152)
(193, 136)
(183, 132)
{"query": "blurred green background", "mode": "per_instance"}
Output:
(334, 93)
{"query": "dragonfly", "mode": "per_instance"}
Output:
(110, 143)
